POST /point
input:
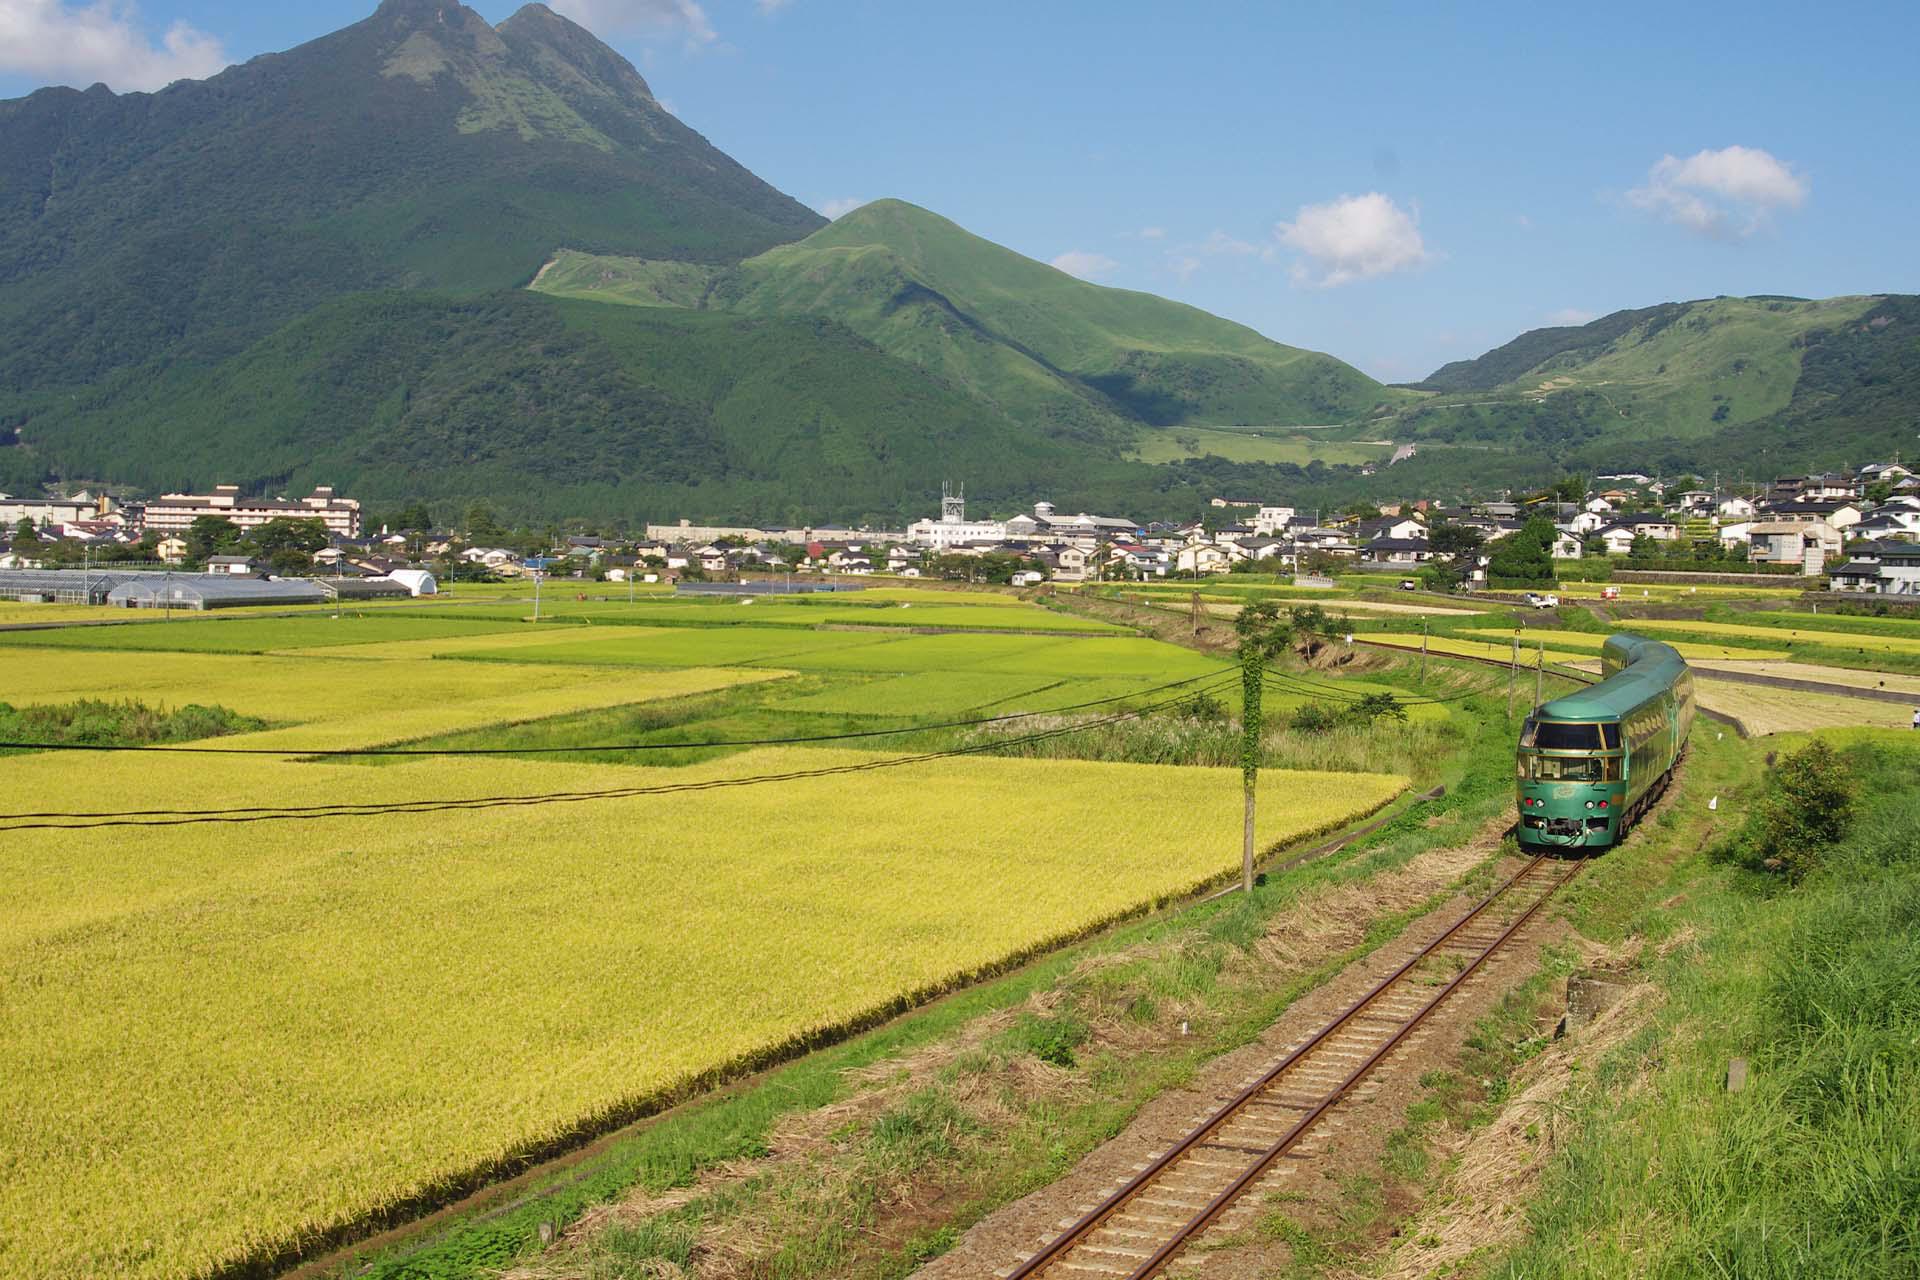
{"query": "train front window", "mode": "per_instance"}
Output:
(1539, 768)
(1551, 736)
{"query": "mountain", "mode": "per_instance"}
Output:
(1690, 385)
(420, 148)
(1034, 341)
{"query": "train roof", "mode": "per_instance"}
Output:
(1649, 668)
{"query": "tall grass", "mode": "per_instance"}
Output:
(1814, 1168)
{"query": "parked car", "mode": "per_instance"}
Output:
(1408, 584)
(1538, 601)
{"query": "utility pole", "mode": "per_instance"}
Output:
(1423, 650)
(1513, 667)
(536, 595)
(1539, 670)
(1253, 662)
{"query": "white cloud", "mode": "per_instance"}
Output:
(1352, 238)
(844, 205)
(1088, 266)
(1725, 194)
(1569, 316)
(773, 6)
(645, 17)
(1152, 233)
(1183, 266)
(101, 42)
(1219, 242)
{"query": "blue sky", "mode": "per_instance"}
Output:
(1392, 183)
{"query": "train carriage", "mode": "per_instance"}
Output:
(1590, 763)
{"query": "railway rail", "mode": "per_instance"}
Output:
(1138, 1230)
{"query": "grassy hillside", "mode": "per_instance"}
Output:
(551, 406)
(1073, 357)
(1689, 385)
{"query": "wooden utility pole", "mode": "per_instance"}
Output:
(1513, 667)
(1539, 671)
(1196, 611)
(1253, 666)
(1423, 649)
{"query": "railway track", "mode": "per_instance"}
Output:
(1141, 1228)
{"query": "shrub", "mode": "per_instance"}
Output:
(1374, 706)
(1807, 805)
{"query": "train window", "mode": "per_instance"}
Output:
(1573, 768)
(1566, 737)
(1610, 734)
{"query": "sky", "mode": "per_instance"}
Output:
(1397, 184)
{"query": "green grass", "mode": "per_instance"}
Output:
(1813, 1169)
(928, 693)
(690, 647)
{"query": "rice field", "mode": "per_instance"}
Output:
(1561, 646)
(1764, 710)
(222, 1040)
(219, 1040)
(1765, 635)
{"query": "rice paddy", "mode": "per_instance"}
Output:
(223, 1041)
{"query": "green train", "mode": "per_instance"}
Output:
(1590, 763)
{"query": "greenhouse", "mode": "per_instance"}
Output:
(193, 591)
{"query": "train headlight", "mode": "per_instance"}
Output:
(1589, 804)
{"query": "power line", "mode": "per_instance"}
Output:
(319, 753)
(188, 817)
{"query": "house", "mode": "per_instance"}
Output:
(1600, 506)
(1588, 522)
(1131, 559)
(1397, 551)
(1566, 546)
(1202, 558)
(1618, 539)
(1807, 543)
(1880, 568)
(1272, 520)
(235, 566)
(1838, 514)
(1396, 527)
(1072, 564)
(1235, 502)
(1695, 500)
(171, 550)
(1658, 527)
(1734, 532)
(1736, 508)
(1882, 473)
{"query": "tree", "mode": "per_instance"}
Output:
(209, 536)
(24, 532)
(1525, 557)
(1572, 488)
(1263, 636)
(1454, 548)
(1642, 549)
(482, 524)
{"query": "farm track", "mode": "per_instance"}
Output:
(1201, 1183)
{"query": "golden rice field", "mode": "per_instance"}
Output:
(1561, 646)
(222, 1040)
(1786, 635)
(1766, 710)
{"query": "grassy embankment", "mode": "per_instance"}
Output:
(1813, 1169)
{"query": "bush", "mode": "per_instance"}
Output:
(1374, 706)
(1807, 806)
(1314, 717)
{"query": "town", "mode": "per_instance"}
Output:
(1857, 532)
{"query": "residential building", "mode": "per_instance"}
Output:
(953, 527)
(52, 511)
(1808, 543)
(176, 512)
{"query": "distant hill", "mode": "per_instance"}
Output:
(1693, 385)
(1032, 340)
